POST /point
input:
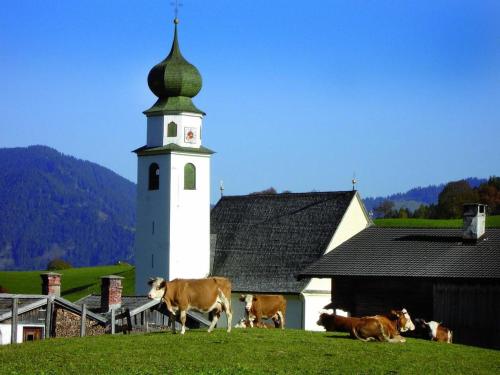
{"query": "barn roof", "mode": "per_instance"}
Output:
(407, 252)
(30, 302)
(93, 302)
(261, 242)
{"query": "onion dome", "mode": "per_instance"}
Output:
(174, 81)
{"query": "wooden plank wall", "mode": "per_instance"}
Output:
(471, 310)
(369, 296)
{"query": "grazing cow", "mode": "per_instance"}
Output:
(265, 306)
(248, 323)
(434, 331)
(370, 328)
(211, 295)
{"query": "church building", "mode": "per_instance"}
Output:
(260, 242)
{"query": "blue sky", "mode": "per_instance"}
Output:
(298, 95)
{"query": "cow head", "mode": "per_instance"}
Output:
(404, 322)
(158, 288)
(248, 299)
(323, 316)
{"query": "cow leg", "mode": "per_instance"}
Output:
(227, 308)
(214, 321)
(183, 321)
(171, 321)
(282, 320)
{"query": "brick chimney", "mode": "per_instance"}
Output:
(51, 283)
(111, 292)
(474, 221)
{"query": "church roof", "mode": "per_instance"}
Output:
(174, 81)
(262, 242)
(412, 252)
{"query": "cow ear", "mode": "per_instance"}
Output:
(254, 298)
(163, 284)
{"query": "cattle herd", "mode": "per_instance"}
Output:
(213, 296)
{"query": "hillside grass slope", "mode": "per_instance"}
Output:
(491, 222)
(250, 351)
(75, 282)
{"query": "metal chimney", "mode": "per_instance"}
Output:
(474, 221)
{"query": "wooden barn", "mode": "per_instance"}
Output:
(437, 274)
(33, 317)
(261, 242)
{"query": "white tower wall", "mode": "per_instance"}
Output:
(173, 224)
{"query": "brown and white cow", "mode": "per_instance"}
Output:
(438, 332)
(265, 306)
(246, 323)
(370, 328)
(211, 295)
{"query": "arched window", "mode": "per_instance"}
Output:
(189, 177)
(172, 130)
(154, 177)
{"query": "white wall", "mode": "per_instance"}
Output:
(190, 219)
(318, 292)
(158, 125)
(179, 244)
(5, 332)
(153, 206)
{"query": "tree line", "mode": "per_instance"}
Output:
(450, 201)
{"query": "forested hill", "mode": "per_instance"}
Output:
(57, 206)
(415, 197)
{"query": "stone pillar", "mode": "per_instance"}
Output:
(51, 283)
(111, 292)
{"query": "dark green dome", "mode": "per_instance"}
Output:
(174, 81)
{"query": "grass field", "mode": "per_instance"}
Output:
(242, 352)
(491, 222)
(76, 282)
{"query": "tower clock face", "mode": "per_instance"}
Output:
(190, 135)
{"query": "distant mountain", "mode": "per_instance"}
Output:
(57, 206)
(413, 198)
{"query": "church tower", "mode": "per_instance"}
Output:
(172, 237)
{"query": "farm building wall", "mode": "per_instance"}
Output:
(466, 307)
(361, 296)
(5, 331)
(471, 310)
(67, 324)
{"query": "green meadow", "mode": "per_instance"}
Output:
(75, 282)
(251, 351)
(491, 222)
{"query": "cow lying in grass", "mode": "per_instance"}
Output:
(433, 330)
(371, 328)
(211, 295)
(246, 323)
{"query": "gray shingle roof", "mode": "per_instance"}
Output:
(261, 242)
(93, 302)
(412, 253)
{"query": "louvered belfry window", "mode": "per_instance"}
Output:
(154, 177)
(189, 177)
(172, 129)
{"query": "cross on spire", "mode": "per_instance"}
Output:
(176, 4)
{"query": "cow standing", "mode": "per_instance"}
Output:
(265, 306)
(211, 295)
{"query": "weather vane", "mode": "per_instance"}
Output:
(176, 4)
(354, 181)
